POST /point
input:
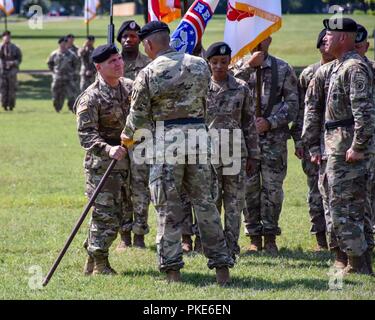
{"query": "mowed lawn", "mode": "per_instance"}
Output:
(42, 195)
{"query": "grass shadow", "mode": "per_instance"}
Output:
(36, 87)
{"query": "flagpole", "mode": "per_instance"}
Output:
(185, 7)
(6, 16)
(87, 22)
(258, 111)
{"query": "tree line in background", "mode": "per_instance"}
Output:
(74, 7)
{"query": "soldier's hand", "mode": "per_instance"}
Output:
(251, 165)
(256, 59)
(299, 153)
(354, 156)
(317, 159)
(117, 152)
(262, 125)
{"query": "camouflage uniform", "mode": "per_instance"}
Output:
(229, 106)
(137, 222)
(133, 67)
(173, 87)
(349, 98)
(76, 78)
(88, 70)
(264, 193)
(314, 198)
(11, 58)
(101, 115)
(63, 66)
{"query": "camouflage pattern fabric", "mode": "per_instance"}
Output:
(10, 59)
(101, 114)
(88, 70)
(174, 86)
(264, 193)
(133, 67)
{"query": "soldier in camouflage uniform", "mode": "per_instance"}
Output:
(279, 107)
(73, 49)
(88, 70)
(315, 202)
(101, 115)
(137, 222)
(173, 89)
(10, 59)
(63, 65)
(230, 107)
(362, 45)
(349, 127)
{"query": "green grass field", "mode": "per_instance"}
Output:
(42, 195)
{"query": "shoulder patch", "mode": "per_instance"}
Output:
(82, 104)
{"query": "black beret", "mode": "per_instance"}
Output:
(102, 53)
(70, 35)
(320, 38)
(6, 33)
(91, 38)
(62, 39)
(127, 25)
(218, 49)
(152, 27)
(340, 24)
(361, 34)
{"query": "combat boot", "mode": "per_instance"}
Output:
(357, 265)
(173, 276)
(198, 245)
(125, 243)
(139, 241)
(187, 243)
(341, 259)
(368, 257)
(321, 240)
(255, 244)
(222, 276)
(102, 266)
(89, 266)
(270, 245)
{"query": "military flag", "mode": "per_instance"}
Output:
(164, 10)
(192, 26)
(7, 6)
(90, 10)
(249, 22)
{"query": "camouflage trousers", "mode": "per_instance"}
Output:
(85, 82)
(188, 226)
(347, 203)
(62, 89)
(8, 88)
(137, 219)
(369, 204)
(166, 182)
(108, 210)
(264, 190)
(314, 197)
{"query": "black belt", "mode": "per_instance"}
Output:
(329, 125)
(113, 142)
(183, 121)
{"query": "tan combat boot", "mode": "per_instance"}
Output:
(173, 276)
(341, 259)
(125, 243)
(255, 244)
(198, 245)
(89, 266)
(270, 245)
(102, 266)
(187, 243)
(222, 276)
(321, 240)
(357, 265)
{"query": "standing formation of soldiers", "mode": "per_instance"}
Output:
(329, 112)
